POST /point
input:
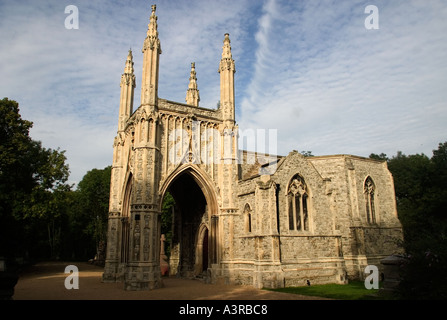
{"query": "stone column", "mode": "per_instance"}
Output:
(111, 263)
(127, 84)
(268, 272)
(213, 239)
(143, 271)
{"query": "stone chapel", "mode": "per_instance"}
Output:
(240, 217)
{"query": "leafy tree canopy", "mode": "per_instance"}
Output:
(421, 195)
(32, 179)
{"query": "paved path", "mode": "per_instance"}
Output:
(45, 281)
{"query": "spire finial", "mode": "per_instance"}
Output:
(152, 27)
(226, 49)
(192, 77)
(127, 85)
(192, 94)
(129, 63)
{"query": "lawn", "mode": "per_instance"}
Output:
(353, 291)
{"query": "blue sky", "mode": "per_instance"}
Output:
(309, 69)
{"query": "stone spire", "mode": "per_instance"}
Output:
(128, 69)
(227, 70)
(192, 95)
(127, 85)
(226, 49)
(152, 26)
(151, 52)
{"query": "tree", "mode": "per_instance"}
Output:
(49, 199)
(412, 180)
(421, 197)
(438, 192)
(307, 153)
(381, 156)
(32, 180)
(90, 212)
(16, 151)
(166, 220)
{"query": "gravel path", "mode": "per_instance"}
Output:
(45, 281)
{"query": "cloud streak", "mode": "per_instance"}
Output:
(307, 68)
(334, 87)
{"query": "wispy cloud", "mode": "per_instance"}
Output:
(307, 68)
(193, 31)
(332, 86)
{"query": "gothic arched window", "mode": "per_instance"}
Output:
(247, 215)
(369, 190)
(297, 200)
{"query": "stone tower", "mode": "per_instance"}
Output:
(133, 254)
(158, 148)
(227, 70)
(241, 217)
(151, 61)
(127, 92)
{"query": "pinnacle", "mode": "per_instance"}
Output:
(129, 63)
(152, 26)
(193, 71)
(226, 49)
(192, 94)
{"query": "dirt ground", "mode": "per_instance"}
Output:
(45, 281)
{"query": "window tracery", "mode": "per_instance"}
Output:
(369, 190)
(297, 199)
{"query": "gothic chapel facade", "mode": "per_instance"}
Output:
(273, 222)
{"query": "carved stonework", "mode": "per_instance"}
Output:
(369, 186)
(239, 217)
(146, 243)
(136, 241)
(297, 185)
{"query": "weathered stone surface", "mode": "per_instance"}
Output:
(310, 219)
(391, 273)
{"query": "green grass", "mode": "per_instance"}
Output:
(353, 291)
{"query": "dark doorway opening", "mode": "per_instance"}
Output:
(188, 247)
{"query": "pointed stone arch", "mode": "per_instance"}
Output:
(297, 194)
(248, 219)
(125, 220)
(200, 177)
(202, 252)
(206, 240)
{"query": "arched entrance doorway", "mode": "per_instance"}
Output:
(202, 248)
(192, 239)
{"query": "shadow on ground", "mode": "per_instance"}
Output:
(45, 281)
